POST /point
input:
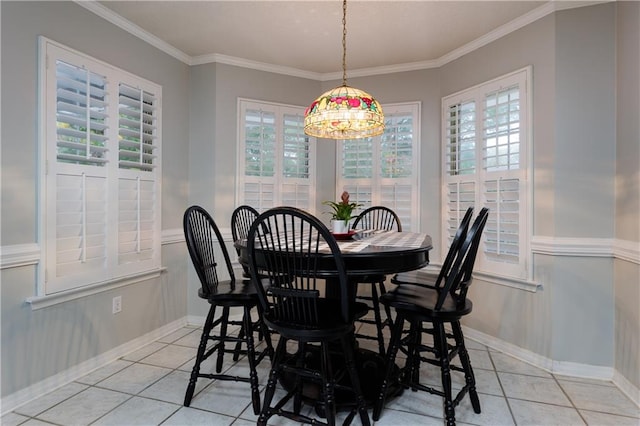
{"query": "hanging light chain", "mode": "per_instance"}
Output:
(344, 42)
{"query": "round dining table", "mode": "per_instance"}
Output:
(367, 253)
(372, 253)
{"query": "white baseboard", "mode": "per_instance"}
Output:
(627, 387)
(572, 369)
(13, 401)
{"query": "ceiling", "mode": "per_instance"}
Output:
(306, 35)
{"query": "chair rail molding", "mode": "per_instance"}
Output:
(17, 255)
(587, 247)
(172, 236)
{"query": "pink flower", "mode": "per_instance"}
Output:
(345, 197)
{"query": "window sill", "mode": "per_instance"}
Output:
(40, 302)
(520, 284)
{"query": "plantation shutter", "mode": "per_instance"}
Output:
(259, 158)
(459, 163)
(76, 123)
(383, 170)
(503, 176)
(484, 166)
(137, 140)
(397, 190)
(276, 165)
(296, 189)
(101, 211)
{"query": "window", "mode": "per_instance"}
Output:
(383, 170)
(276, 162)
(486, 159)
(101, 149)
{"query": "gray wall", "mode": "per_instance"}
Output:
(578, 161)
(574, 155)
(521, 318)
(39, 344)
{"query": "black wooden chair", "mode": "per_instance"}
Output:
(445, 303)
(241, 220)
(288, 242)
(203, 241)
(429, 278)
(375, 218)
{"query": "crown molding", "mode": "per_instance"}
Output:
(130, 27)
(526, 19)
(260, 66)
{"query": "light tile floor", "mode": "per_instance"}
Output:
(146, 387)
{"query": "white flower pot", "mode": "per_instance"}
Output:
(339, 226)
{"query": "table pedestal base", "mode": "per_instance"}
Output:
(371, 370)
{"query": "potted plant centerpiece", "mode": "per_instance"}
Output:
(341, 213)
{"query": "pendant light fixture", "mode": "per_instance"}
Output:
(344, 112)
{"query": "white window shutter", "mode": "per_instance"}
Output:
(460, 194)
(81, 115)
(460, 133)
(137, 183)
(259, 143)
(77, 248)
(360, 193)
(399, 198)
(357, 158)
(136, 128)
(485, 165)
(275, 158)
(397, 146)
(384, 170)
(101, 211)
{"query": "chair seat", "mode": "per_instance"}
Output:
(422, 301)
(329, 326)
(242, 292)
(420, 277)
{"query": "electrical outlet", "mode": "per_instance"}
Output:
(116, 304)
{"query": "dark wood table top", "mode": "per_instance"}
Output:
(375, 252)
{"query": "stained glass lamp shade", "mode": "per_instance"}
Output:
(344, 113)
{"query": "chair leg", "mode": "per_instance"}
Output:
(223, 335)
(270, 390)
(387, 308)
(411, 373)
(466, 365)
(251, 356)
(202, 347)
(378, 319)
(394, 344)
(440, 344)
(238, 349)
(301, 356)
(266, 334)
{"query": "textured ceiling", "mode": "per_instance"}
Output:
(307, 35)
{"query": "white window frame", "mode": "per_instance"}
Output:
(368, 191)
(276, 190)
(469, 184)
(126, 195)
